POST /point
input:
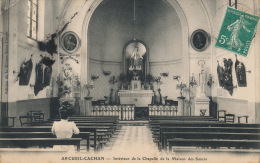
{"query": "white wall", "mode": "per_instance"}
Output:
(102, 42)
(168, 43)
(243, 100)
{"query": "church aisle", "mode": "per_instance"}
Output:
(132, 140)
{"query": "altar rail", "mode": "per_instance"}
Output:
(124, 112)
(163, 110)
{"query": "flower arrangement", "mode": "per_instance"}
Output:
(113, 80)
(94, 76)
(177, 77)
(67, 90)
(64, 91)
(106, 72)
(164, 74)
(158, 82)
(59, 82)
(77, 81)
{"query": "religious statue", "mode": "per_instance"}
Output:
(135, 60)
(202, 78)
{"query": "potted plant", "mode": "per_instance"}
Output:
(123, 79)
(149, 80)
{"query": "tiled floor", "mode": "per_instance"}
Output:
(132, 140)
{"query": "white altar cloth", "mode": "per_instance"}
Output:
(140, 98)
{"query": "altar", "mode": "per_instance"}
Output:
(141, 98)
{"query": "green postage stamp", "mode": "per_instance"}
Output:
(237, 31)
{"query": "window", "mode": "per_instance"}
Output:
(32, 19)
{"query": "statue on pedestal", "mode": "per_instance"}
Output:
(202, 79)
(135, 60)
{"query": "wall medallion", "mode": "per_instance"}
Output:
(199, 40)
(70, 42)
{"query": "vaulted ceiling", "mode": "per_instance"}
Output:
(115, 22)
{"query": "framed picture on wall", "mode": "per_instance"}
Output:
(199, 40)
(70, 42)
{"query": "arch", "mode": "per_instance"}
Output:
(173, 3)
(89, 10)
(84, 40)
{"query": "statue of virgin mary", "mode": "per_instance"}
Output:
(136, 60)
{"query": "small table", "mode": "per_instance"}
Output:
(244, 116)
(12, 118)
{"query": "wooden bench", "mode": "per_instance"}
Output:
(82, 135)
(91, 129)
(206, 124)
(207, 135)
(156, 130)
(184, 118)
(30, 150)
(247, 144)
(98, 119)
(27, 142)
(158, 135)
(155, 120)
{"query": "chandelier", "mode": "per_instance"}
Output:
(136, 58)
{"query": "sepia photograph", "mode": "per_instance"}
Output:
(111, 81)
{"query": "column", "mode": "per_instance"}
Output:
(181, 106)
(87, 106)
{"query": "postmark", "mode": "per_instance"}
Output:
(237, 31)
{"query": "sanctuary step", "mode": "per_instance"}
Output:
(133, 123)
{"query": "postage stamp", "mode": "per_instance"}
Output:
(237, 31)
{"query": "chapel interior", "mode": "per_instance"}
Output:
(136, 60)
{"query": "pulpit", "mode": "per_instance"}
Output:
(141, 98)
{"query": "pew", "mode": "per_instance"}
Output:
(155, 120)
(198, 126)
(207, 135)
(91, 129)
(247, 144)
(159, 134)
(111, 127)
(104, 127)
(151, 118)
(205, 124)
(92, 118)
(27, 142)
(30, 150)
(82, 135)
